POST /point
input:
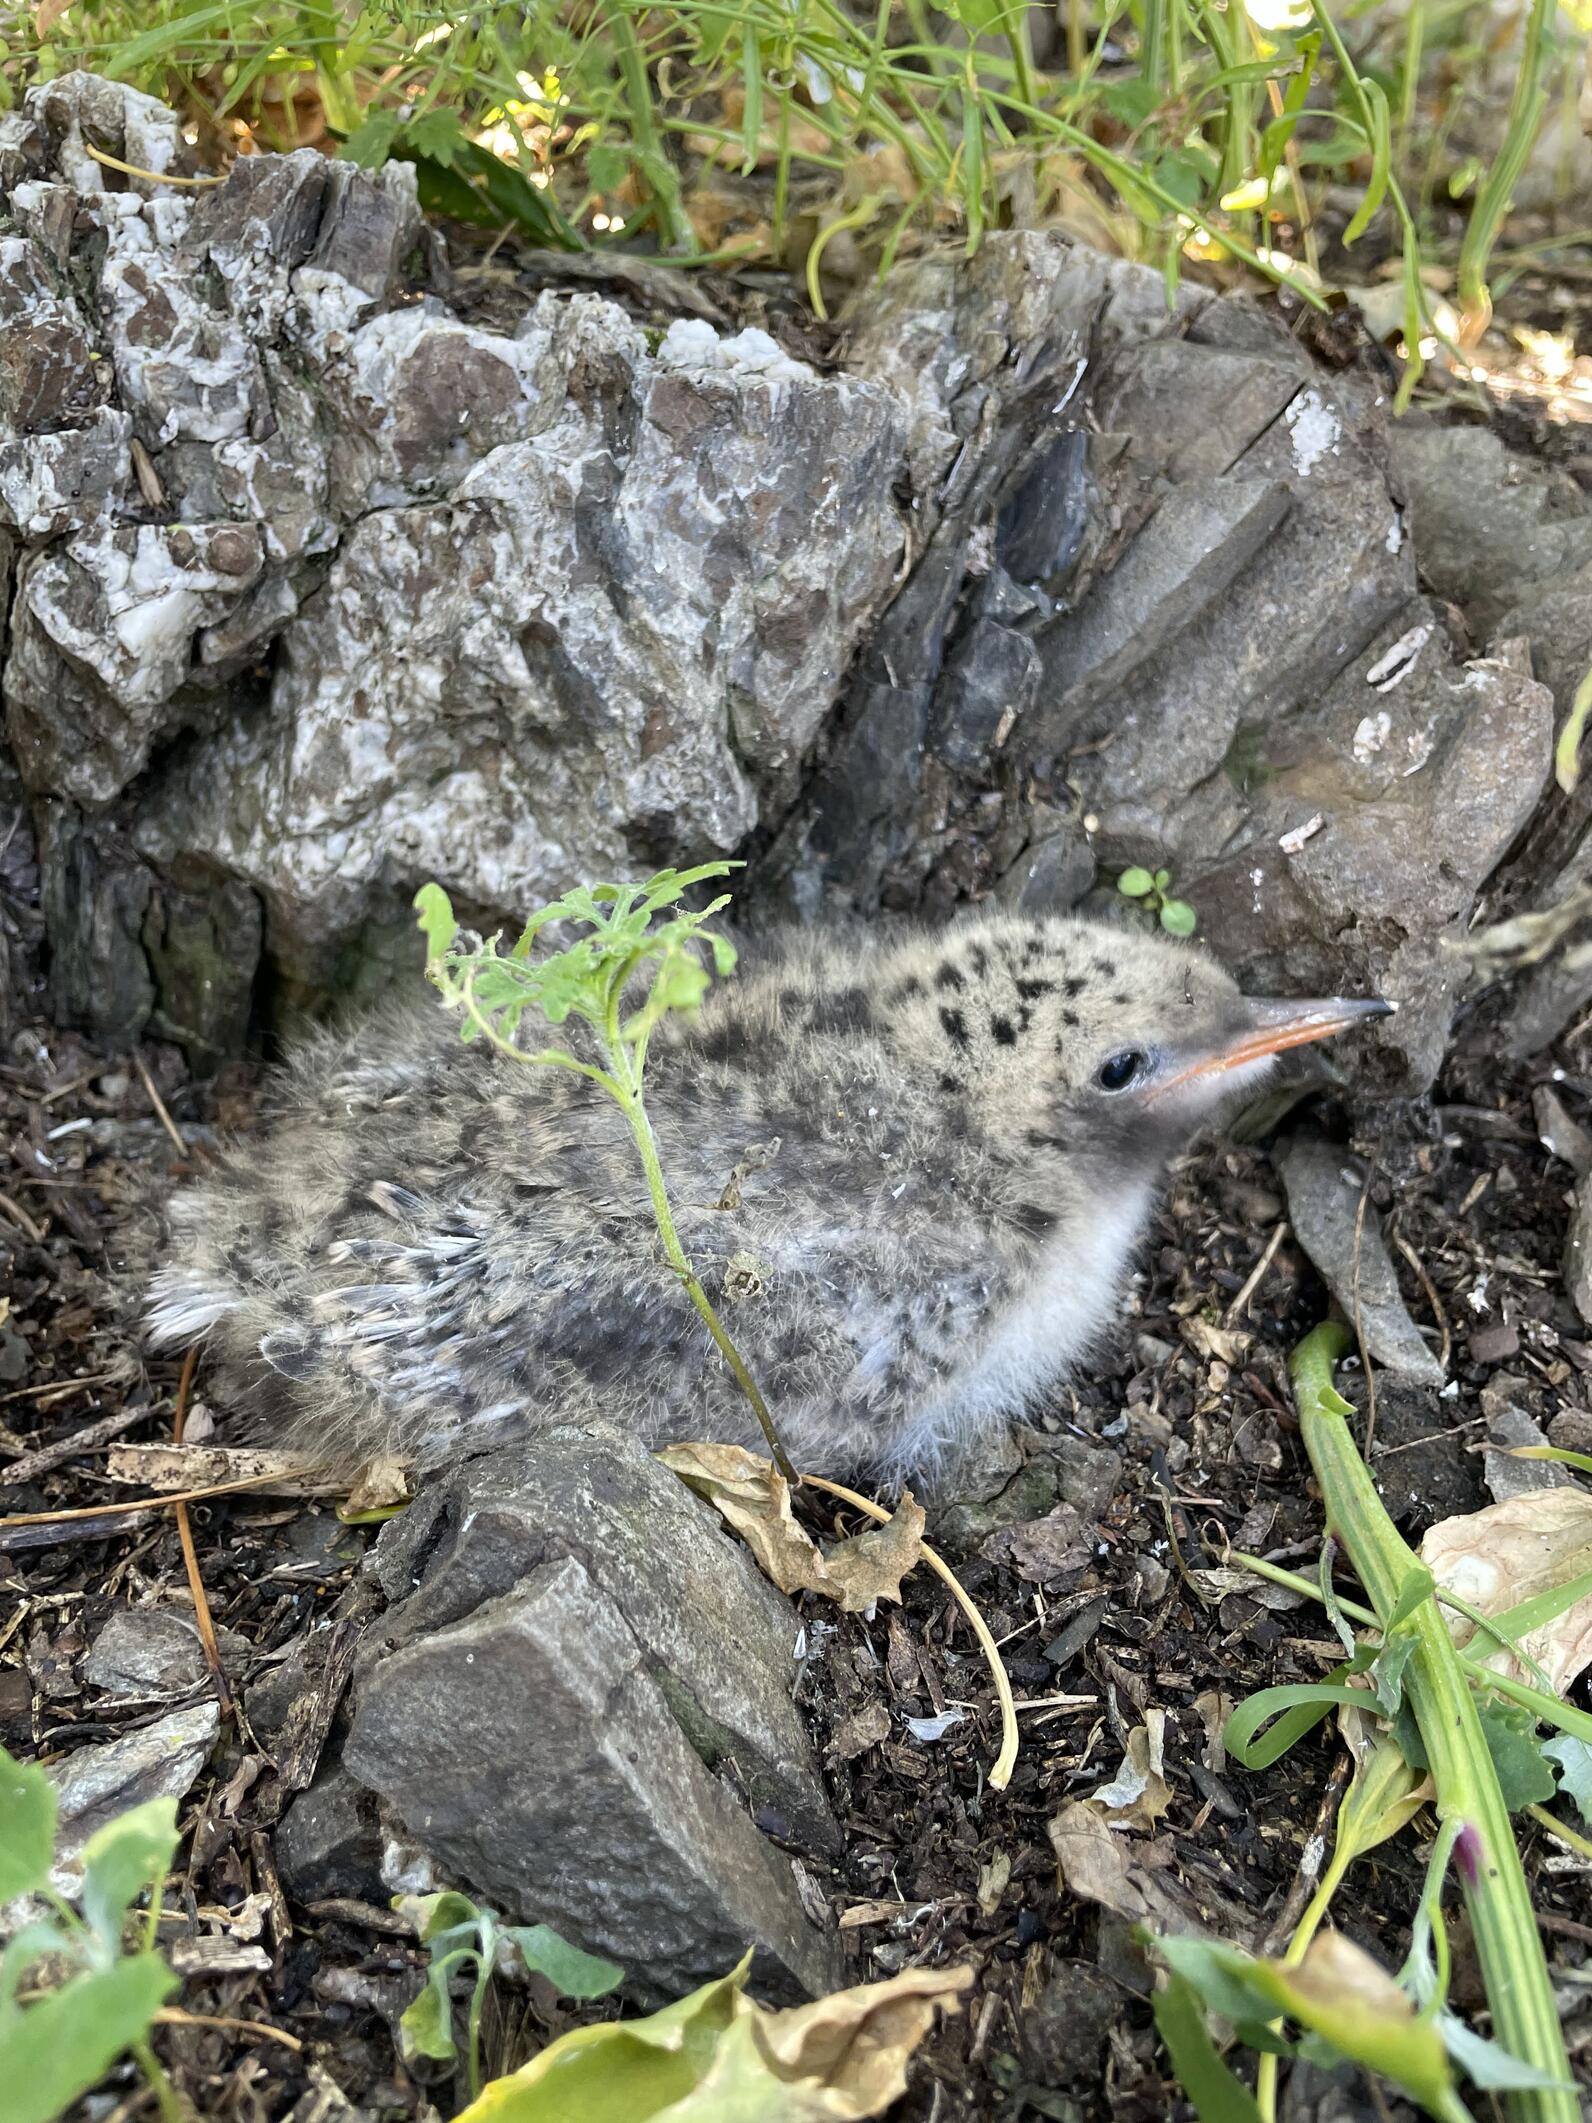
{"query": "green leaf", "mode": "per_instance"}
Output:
(371, 140)
(1574, 1758)
(27, 1826)
(979, 17)
(55, 2050)
(1375, 106)
(1218, 2095)
(437, 134)
(1387, 1673)
(623, 2070)
(1131, 101)
(1219, 1976)
(1488, 2065)
(1178, 917)
(1338, 1994)
(1415, 1586)
(1524, 1777)
(435, 1915)
(120, 1861)
(476, 186)
(1383, 1798)
(425, 2028)
(1297, 1708)
(437, 924)
(607, 166)
(573, 1974)
(1329, 1598)
(1134, 883)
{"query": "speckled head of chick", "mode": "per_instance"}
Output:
(1076, 1040)
(913, 1174)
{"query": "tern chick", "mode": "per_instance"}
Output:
(911, 1174)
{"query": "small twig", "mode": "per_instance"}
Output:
(1561, 1831)
(174, 2016)
(141, 1503)
(22, 1220)
(32, 1464)
(1253, 1280)
(1432, 1298)
(159, 1105)
(57, 1385)
(1001, 1775)
(1319, 1841)
(131, 169)
(190, 1555)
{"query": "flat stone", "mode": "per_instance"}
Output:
(1323, 1208)
(530, 1751)
(720, 1641)
(95, 1783)
(329, 1840)
(1488, 522)
(151, 1651)
(1578, 1251)
(1194, 546)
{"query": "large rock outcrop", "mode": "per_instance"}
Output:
(317, 589)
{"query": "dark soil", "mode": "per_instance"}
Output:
(1102, 1629)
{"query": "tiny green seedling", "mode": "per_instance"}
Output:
(57, 2047)
(459, 1935)
(632, 961)
(1153, 889)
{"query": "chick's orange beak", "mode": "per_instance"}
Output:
(1276, 1026)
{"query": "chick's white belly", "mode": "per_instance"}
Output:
(1063, 1311)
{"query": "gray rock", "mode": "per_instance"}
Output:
(1211, 581)
(529, 1750)
(1202, 536)
(329, 1840)
(1578, 1251)
(1052, 874)
(1345, 842)
(1508, 1426)
(1323, 1208)
(95, 1783)
(321, 591)
(1488, 522)
(144, 1651)
(510, 732)
(719, 1640)
(588, 605)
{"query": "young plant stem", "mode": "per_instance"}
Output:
(1525, 2018)
(165, 2093)
(486, 1959)
(627, 1091)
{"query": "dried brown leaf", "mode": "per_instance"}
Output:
(751, 1495)
(1138, 1794)
(1509, 1552)
(848, 2054)
(1043, 1550)
(1101, 1867)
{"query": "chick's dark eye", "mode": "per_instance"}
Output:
(1119, 1070)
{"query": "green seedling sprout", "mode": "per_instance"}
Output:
(1448, 1717)
(636, 956)
(1154, 889)
(459, 1935)
(57, 2047)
